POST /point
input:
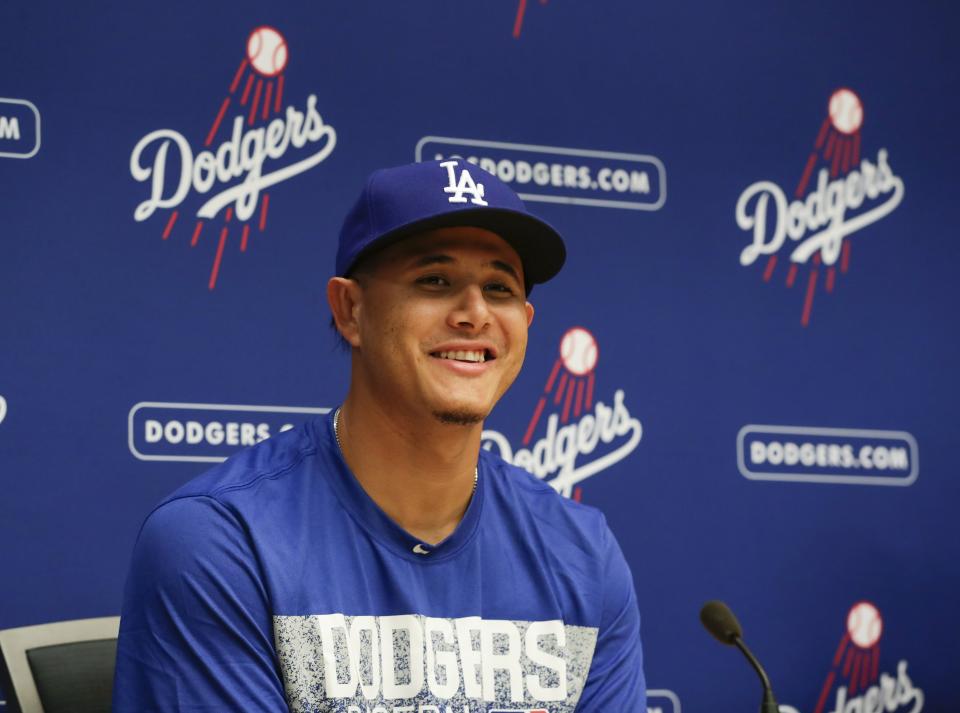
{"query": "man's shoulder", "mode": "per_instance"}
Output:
(224, 503)
(271, 459)
(569, 521)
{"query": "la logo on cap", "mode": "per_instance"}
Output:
(466, 184)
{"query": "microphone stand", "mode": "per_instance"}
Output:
(768, 704)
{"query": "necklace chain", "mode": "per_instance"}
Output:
(336, 434)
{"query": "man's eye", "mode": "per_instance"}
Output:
(499, 287)
(432, 280)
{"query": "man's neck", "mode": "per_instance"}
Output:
(419, 470)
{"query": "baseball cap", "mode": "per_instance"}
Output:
(399, 202)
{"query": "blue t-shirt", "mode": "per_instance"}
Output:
(273, 581)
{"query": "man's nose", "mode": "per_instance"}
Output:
(471, 310)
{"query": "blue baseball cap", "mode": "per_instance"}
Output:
(397, 203)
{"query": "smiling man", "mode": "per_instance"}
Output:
(377, 560)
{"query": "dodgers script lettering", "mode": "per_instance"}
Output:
(557, 452)
(242, 156)
(825, 210)
(891, 694)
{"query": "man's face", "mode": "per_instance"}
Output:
(442, 323)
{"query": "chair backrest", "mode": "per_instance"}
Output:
(60, 667)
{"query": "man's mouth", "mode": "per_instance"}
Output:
(473, 356)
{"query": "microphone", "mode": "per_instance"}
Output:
(721, 622)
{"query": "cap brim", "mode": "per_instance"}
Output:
(540, 247)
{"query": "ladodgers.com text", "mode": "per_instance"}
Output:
(890, 695)
(561, 175)
(831, 455)
(824, 210)
(557, 452)
(19, 128)
(9, 128)
(243, 155)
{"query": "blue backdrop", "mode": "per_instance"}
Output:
(749, 362)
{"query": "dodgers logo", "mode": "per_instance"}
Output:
(856, 682)
(464, 185)
(409, 663)
(237, 171)
(578, 425)
(850, 193)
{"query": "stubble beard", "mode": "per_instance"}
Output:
(464, 417)
(459, 418)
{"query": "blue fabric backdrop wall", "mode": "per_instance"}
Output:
(762, 386)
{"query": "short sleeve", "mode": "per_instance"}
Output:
(616, 681)
(196, 631)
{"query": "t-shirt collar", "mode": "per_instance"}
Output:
(372, 518)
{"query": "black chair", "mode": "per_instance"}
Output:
(63, 667)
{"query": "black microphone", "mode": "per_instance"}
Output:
(720, 621)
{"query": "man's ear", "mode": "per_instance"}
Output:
(345, 298)
(529, 308)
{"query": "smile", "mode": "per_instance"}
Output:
(476, 356)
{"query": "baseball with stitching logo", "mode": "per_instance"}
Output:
(267, 51)
(578, 349)
(846, 111)
(864, 624)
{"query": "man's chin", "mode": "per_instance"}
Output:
(459, 417)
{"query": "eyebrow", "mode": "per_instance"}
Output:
(441, 259)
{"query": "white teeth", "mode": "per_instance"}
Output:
(460, 355)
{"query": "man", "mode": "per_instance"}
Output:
(376, 559)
